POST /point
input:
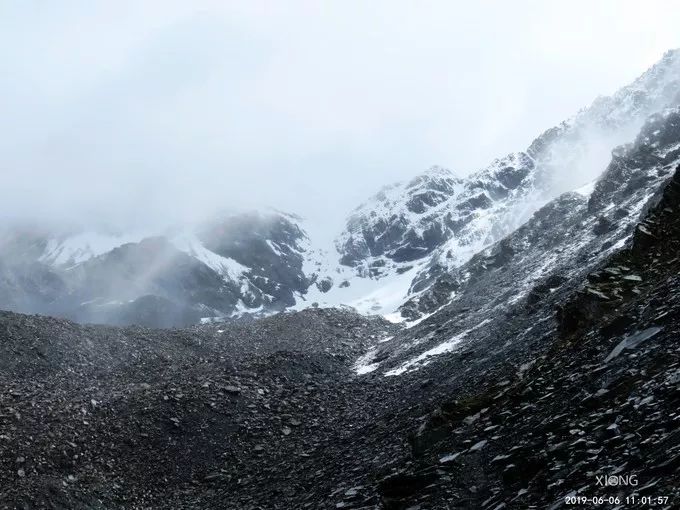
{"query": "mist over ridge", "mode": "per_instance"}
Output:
(121, 120)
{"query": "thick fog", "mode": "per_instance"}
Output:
(153, 112)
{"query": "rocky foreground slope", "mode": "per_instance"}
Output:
(271, 413)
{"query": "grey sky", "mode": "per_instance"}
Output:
(146, 111)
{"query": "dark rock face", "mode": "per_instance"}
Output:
(268, 244)
(656, 146)
(325, 284)
(385, 225)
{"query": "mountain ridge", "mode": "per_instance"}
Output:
(388, 256)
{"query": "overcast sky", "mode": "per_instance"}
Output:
(144, 110)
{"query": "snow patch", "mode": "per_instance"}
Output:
(81, 247)
(225, 267)
(423, 359)
(587, 190)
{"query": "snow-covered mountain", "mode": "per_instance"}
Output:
(527, 274)
(406, 252)
(236, 263)
(438, 221)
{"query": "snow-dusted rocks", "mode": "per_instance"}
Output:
(439, 221)
(526, 274)
(402, 222)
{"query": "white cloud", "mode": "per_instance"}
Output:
(166, 109)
